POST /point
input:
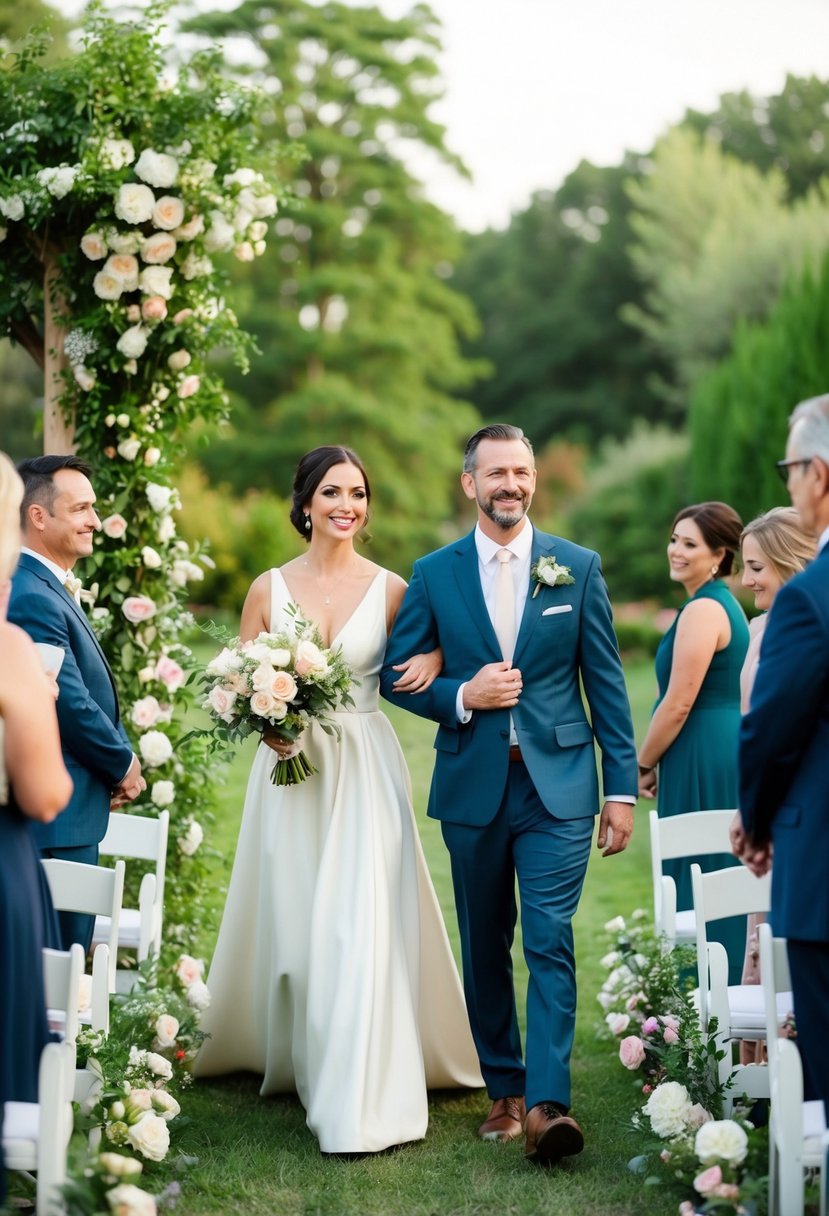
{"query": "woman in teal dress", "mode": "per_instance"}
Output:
(688, 759)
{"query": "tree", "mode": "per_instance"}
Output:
(739, 411)
(358, 328)
(715, 239)
(788, 132)
(549, 291)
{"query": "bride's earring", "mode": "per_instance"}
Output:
(307, 523)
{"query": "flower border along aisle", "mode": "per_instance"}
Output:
(648, 1008)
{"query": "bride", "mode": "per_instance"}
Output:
(332, 975)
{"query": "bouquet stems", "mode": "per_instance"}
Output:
(293, 770)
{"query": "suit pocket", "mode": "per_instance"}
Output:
(787, 817)
(557, 609)
(447, 740)
(574, 734)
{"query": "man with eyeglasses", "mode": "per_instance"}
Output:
(784, 752)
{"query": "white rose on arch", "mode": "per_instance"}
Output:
(128, 449)
(133, 342)
(162, 793)
(156, 281)
(157, 168)
(159, 497)
(58, 181)
(116, 153)
(189, 843)
(168, 213)
(155, 747)
(134, 203)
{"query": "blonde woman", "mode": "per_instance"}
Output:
(34, 785)
(774, 548)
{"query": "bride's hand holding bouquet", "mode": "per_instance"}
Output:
(276, 684)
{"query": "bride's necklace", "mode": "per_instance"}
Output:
(326, 595)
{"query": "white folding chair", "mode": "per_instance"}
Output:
(738, 1008)
(699, 833)
(140, 838)
(797, 1131)
(92, 890)
(36, 1134)
(63, 974)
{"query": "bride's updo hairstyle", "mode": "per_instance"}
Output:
(310, 474)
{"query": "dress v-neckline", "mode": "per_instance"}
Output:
(336, 637)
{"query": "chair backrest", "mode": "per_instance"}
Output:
(734, 891)
(62, 971)
(144, 838)
(694, 834)
(92, 890)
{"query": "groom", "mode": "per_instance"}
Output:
(521, 618)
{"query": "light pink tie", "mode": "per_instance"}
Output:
(504, 621)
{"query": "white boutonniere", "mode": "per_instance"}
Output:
(548, 573)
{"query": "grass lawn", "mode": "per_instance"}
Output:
(256, 1155)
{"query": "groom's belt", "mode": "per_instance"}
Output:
(515, 754)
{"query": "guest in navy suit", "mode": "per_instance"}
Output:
(59, 525)
(784, 790)
(524, 622)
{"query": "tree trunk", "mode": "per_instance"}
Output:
(58, 431)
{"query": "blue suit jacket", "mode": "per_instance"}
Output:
(784, 754)
(444, 606)
(96, 750)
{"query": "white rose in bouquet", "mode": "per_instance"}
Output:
(226, 660)
(668, 1109)
(721, 1140)
(150, 1136)
(134, 203)
(309, 659)
(155, 747)
(129, 1200)
(157, 168)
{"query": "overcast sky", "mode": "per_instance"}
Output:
(534, 86)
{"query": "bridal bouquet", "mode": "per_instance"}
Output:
(278, 681)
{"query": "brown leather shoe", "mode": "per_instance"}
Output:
(505, 1121)
(551, 1134)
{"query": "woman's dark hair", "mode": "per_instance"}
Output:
(310, 473)
(721, 528)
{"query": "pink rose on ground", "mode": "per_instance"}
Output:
(670, 1035)
(114, 526)
(189, 386)
(189, 969)
(634, 1001)
(154, 308)
(698, 1115)
(686, 1208)
(169, 673)
(617, 1022)
(138, 608)
(631, 1051)
(705, 1182)
(650, 1025)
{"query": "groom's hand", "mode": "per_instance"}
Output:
(615, 827)
(496, 686)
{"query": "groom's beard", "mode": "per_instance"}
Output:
(505, 518)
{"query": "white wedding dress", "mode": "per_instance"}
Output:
(333, 975)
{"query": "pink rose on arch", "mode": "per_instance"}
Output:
(726, 1190)
(154, 308)
(189, 386)
(146, 712)
(705, 1182)
(182, 315)
(670, 1035)
(617, 1022)
(169, 673)
(189, 969)
(114, 526)
(138, 608)
(631, 1051)
(650, 1025)
(670, 1021)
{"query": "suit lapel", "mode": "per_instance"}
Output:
(468, 579)
(533, 606)
(45, 575)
